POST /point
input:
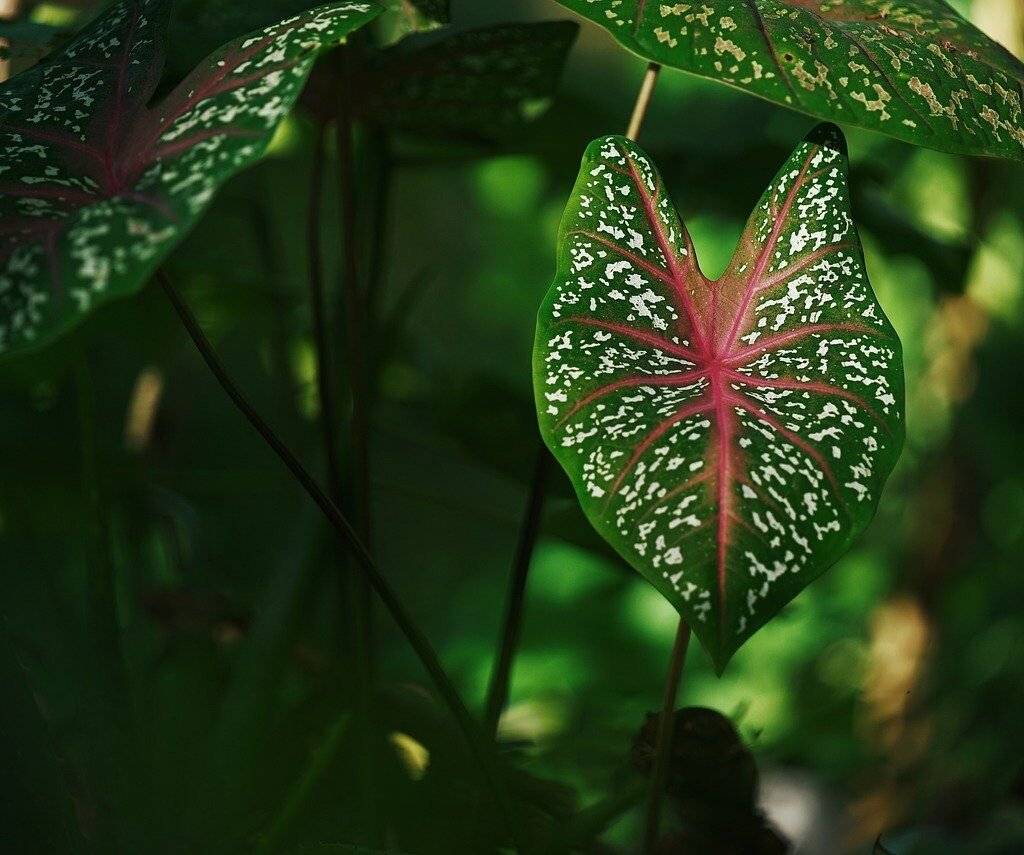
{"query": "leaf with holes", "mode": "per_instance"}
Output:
(97, 187)
(730, 437)
(476, 84)
(914, 70)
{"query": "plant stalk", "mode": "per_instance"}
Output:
(359, 595)
(666, 729)
(497, 693)
(643, 100)
(478, 746)
(355, 306)
(318, 309)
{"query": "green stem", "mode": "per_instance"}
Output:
(643, 100)
(479, 748)
(360, 598)
(311, 777)
(666, 728)
(321, 337)
(355, 306)
(498, 691)
(380, 144)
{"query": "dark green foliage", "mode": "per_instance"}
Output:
(477, 84)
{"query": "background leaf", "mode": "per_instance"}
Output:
(914, 70)
(477, 84)
(729, 438)
(97, 187)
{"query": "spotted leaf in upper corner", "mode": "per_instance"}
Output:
(729, 438)
(913, 69)
(97, 187)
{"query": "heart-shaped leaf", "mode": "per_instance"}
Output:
(477, 83)
(914, 70)
(729, 438)
(97, 187)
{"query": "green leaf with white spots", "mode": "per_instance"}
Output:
(729, 438)
(477, 84)
(97, 186)
(914, 70)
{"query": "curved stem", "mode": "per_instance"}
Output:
(666, 729)
(497, 692)
(478, 747)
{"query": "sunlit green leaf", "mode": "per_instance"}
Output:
(729, 438)
(477, 83)
(97, 187)
(914, 70)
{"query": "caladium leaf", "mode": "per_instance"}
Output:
(97, 187)
(729, 438)
(477, 83)
(914, 70)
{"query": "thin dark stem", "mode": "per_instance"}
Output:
(355, 307)
(497, 693)
(479, 748)
(666, 728)
(358, 592)
(266, 238)
(316, 768)
(326, 393)
(321, 336)
(380, 237)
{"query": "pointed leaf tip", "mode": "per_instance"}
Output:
(729, 438)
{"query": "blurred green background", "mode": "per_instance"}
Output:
(887, 699)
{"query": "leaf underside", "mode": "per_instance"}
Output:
(729, 438)
(97, 187)
(914, 70)
(474, 84)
